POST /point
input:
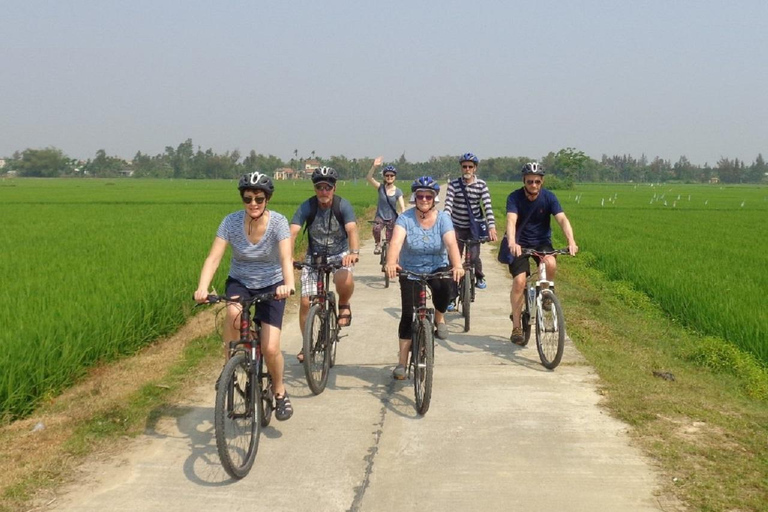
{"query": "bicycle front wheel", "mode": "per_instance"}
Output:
(465, 295)
(237, 421)
(423, 358)
(316, 350)
(550, 330)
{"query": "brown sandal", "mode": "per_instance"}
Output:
(348, 316)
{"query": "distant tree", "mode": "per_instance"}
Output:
(42, 163)
(103, 166)
(757, 171)
(266, 164)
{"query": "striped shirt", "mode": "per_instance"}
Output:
(255, 265)
(456, 205)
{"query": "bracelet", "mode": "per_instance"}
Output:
(356, 251)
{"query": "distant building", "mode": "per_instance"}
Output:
(2, 163)
(310, 166)
(714, 179)
(285, 173)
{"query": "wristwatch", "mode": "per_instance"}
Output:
(356, 251)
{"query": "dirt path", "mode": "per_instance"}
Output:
(502, 432)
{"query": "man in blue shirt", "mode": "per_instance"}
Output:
(528, 226)
(332, 232)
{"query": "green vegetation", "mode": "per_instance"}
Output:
(102, 268)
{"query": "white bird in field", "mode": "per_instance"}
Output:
(743, 203)
(665, 203)
(602, 202)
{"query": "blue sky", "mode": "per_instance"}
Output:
(499, 78)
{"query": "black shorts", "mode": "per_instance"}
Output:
(522, 264)
(270, 312)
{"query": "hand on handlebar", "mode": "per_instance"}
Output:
(458, 273)
(350, 259)
(392, 270)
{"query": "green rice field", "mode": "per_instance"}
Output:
(699, 251)
(96, 269)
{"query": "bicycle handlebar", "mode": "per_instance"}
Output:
(262, 297)
(426, 277)
(533, 252)
(321, 267)
(472, 241)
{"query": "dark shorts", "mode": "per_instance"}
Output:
(266, 312)
(522, 264)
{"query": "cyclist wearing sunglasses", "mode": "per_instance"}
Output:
(331, 232)
(261, 263)
(389, 197)
(423, 241)
(469, 195)
(528, 225)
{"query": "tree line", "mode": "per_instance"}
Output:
(566, 166)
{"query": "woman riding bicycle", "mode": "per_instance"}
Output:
(389, 196)
(261, 262)
(423, 241)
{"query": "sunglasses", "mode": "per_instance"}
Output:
(258, 199)
(531, 182)
(467, 166)
(424, 197)
(389, 175)
(323, 188)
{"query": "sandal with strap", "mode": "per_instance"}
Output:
(347, 317)
(283, 409)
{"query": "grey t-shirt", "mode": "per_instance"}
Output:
(326, 235)
(255, 265)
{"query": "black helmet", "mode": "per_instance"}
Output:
(256, 181)
(326, 174)
(533, 168)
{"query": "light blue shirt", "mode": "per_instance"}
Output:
(423, 250)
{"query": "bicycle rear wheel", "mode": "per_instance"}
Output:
(316, 350)
(383, 262)
(550, 331)
(526, 319)
(333, 334)
(423, 359)
(267, 394)
(237, 421)
(465, 295)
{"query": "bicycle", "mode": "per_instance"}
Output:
(542, 308)
(422, 355)
(242, 408)
(321, 329)
(466, 287)
(384, 245)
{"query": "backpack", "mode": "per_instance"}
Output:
(335, 207)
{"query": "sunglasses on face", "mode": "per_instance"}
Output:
(250, 199)
(323, 188)
(389, 175)
(424, 197)
(531, 182)
(467, 166)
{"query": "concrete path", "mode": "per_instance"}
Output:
(502, 433)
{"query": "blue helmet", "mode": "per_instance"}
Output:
(425, 183)
(389, 168)
(469, 157)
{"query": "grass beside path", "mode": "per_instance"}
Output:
(708, 428)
